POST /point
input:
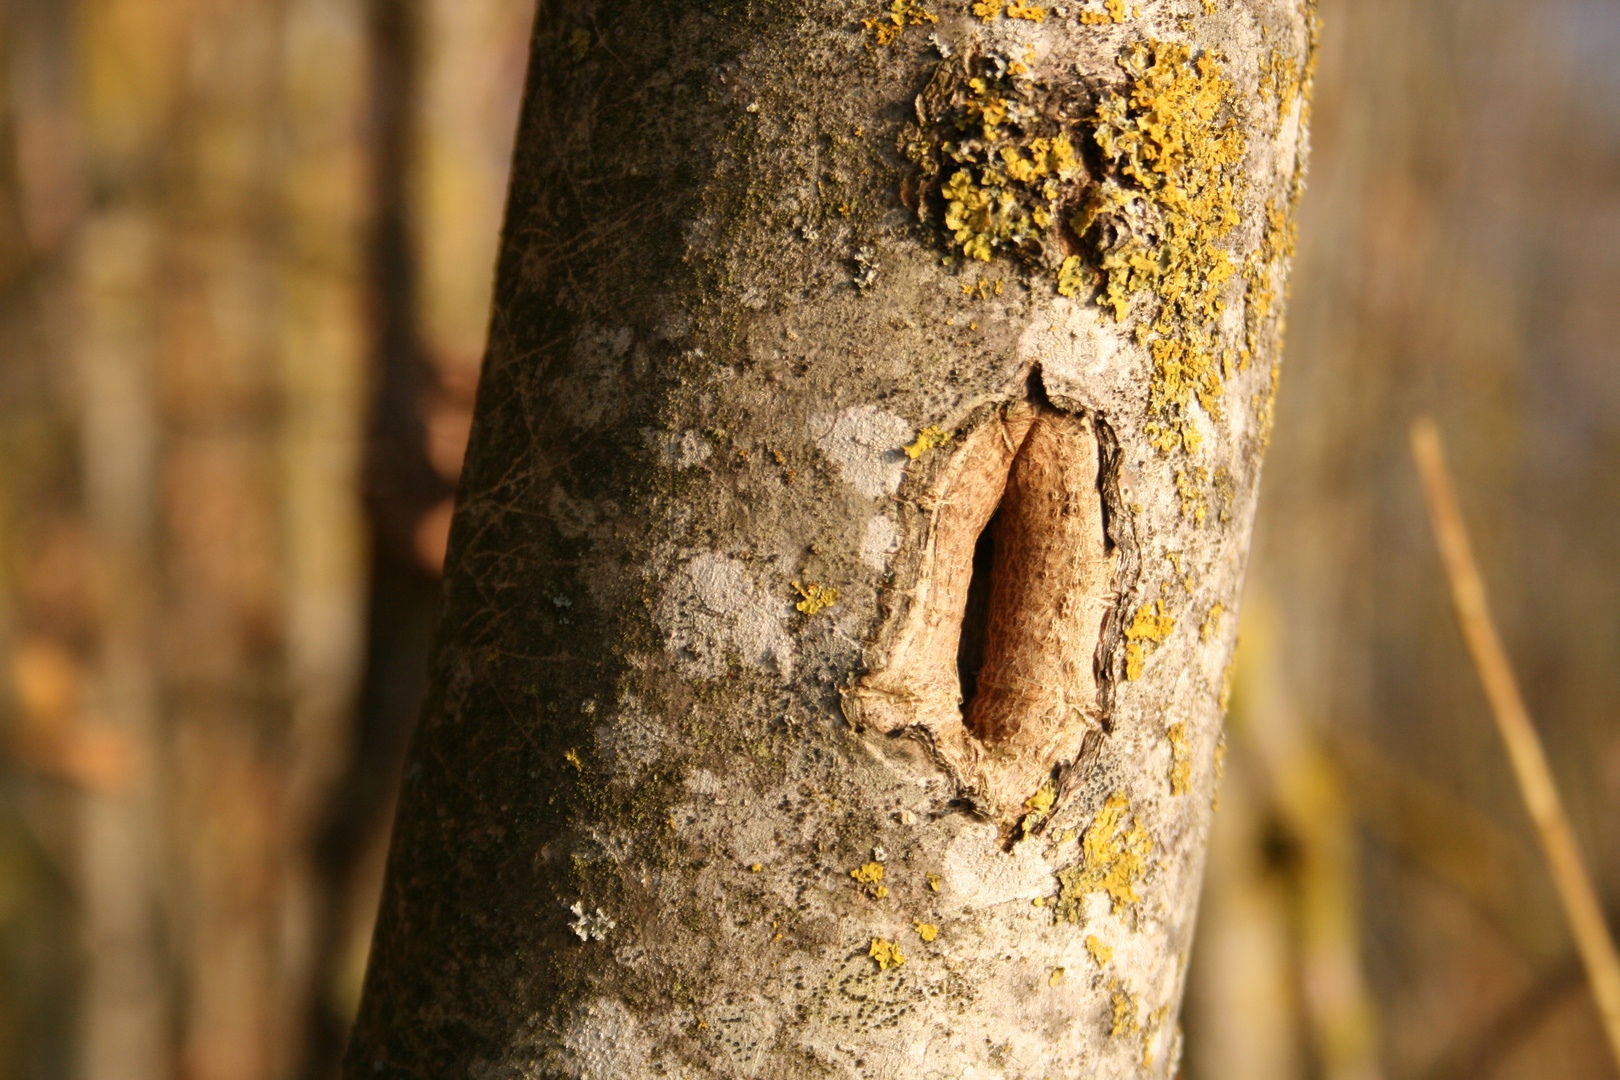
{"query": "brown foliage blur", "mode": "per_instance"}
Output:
(245, 250)
(245, 261)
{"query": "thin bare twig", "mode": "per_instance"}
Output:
(1536, 783)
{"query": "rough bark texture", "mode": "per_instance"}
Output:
(772, 281)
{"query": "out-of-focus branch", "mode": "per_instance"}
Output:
(1535, 778)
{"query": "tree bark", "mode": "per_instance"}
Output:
(840, 597)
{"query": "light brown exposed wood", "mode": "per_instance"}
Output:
(1036, 471)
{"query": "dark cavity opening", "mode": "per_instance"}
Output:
(976, 617)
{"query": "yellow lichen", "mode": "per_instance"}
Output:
(1155, 1021)
(886, 953)
(1212, 623)
(1101, 953)
(1180, 759)
(1152, 625)
(814, 598)
(1193, 503)
(1038, 806)
(933, 880)
(1016, 9)
(1113, 11)
(1041, 802)
(1125, 1010)
(927, 439)
(571, 755)
(1002, 166)
(987, 9)
(1113, 859)
(887, 26)
(869, 874)
(1071, 276)
(1056, 978)
(926, 931)
(1226, 689)
(1175, 144)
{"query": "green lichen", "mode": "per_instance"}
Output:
(1000, 168)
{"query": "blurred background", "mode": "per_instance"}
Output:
(245, 251)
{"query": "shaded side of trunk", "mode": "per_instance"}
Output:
(789, 305)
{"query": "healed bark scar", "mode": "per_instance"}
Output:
(1037, 472)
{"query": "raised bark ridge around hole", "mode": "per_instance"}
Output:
(1052, 585)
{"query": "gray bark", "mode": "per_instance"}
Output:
(787, 307)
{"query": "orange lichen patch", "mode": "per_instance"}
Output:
(1114, 860)
(926, 931)
(987, 9)
(886, 953)
(1018, 10)
(887, 26)
(1180, 759)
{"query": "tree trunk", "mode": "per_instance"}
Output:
(840, 596)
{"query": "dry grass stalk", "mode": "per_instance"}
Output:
(1530, 768)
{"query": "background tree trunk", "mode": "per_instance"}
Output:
(788, 304)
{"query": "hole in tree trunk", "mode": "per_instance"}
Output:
(994, 660)
(976, 616)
